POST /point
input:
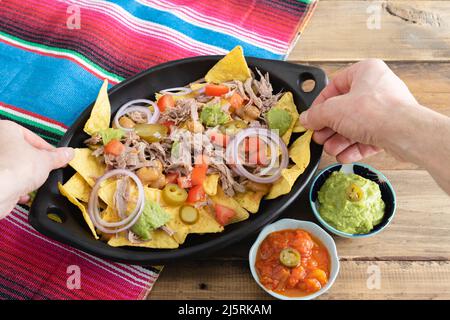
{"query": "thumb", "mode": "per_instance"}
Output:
(323, 115)
(59, 157)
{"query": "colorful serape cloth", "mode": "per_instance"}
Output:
(53, 57)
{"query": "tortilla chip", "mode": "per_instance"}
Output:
(284, 184)
(197, 86)
(78, 187)
(231, 67)
(206, 223)
(210, 184)
(81, 206)
(249, 200)
(300, 151)
(226, 201)
(159, 240)
(287, 103)
(101, 112)
(181, 229)
(176, 98)
(298, 128)
(87, 165)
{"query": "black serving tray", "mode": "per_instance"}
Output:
(74, 231)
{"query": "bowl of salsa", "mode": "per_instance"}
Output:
(294, 260)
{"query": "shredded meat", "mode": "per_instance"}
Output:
(249, 90)
(180, 112)
(121, 196)
(95, 139)
(138, 116)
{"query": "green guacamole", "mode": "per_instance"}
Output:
(212, 115)
(351, 203)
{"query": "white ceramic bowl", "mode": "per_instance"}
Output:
(314, 230)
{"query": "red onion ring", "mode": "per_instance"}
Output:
(130, 106)
(270, 138)
(177, 91)
(124, 224)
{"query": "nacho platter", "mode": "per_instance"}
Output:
(67, 191)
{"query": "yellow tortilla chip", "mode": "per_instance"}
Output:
(87, 165)
(206, 223)
(210, 184)
(231, 67)
(226, 201)
(176, 98)
(298, 128)
(249, 200)
(181, 229)
(287, 103)
(300, 151)
(101, 112)
(197, 86)
(285, 183)
(80, 205)
(78, 187)
(159, 240)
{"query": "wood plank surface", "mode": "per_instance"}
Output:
(409, 31)
(232, 280)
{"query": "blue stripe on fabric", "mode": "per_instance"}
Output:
(53, 87)
(201, 34)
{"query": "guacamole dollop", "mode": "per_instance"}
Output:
(110, 134)
(151, 218)
(212, 115)
(351, 203)
(279, 119)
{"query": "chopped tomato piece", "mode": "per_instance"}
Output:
(236, 101)
(114, 147)
(216, 90)
(196, 194)
(219, 139)
(172, 177)
(319, 275)
(224, 214)
(184, 182)
(257, 151)
(168, 124)
(198, 174)
(166, 101)
(313, 285)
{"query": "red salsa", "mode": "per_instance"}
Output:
(292, 263)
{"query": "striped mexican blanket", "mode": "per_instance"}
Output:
(53, 57)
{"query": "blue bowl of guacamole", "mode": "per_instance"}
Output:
(352, 200)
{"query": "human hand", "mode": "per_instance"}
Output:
(25, 162)
(360, 112)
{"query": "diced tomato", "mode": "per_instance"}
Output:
(171, 177)
(216, 90)
(224, 214)
(219, 139)
(198, 174)
(313, 285)
(196, 194)
(236, 101)
(114, 147)
(166, 101)
(257, 151)
(168, 124)
(184, 182)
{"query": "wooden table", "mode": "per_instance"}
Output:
(413, 254)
